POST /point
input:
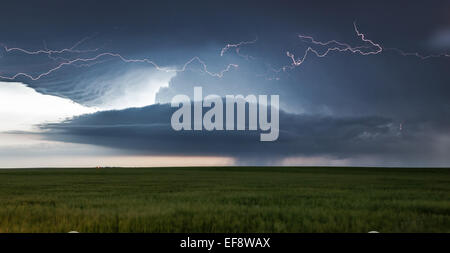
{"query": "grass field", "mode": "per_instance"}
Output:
(237, 199)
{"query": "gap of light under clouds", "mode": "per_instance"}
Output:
(22, 108)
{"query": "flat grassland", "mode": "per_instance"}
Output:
(233, 199)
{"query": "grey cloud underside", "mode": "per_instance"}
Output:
(147, 131)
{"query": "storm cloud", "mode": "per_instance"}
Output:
(148, 131)
(392, 105)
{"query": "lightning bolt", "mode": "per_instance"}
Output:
(87, 62)
(123, 59)
(333, 45)
(416, 54)
(49, 51)
(370, 48)
(238, 48)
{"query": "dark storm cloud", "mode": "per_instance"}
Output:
(147, 130)
(441, 39)
(379, 140)
(172, 32)
(343, 104)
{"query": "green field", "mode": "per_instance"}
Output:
(236, 199)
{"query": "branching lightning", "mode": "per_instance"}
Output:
(120, 57)
(370, 48)
(318, 48)
(238, 48)
(49, 51)
(87, 62)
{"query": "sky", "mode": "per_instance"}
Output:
(360, 83)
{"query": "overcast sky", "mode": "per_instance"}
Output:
(86, 83)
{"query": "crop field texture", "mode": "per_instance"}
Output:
(233, 199)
